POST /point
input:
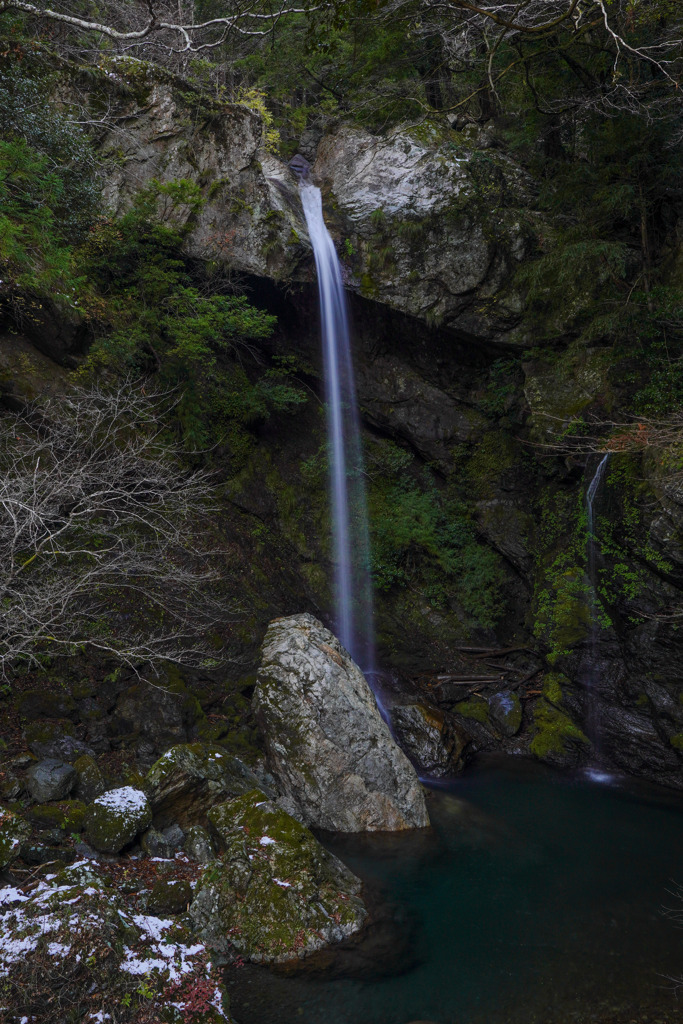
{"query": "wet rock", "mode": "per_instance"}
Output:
(114, 819)
(192, 777)
(401, 403)
(50, 780)
(276, 894)
(13, 832)
(198, 845)
(432, 739)
(332, 755)
(505, 712)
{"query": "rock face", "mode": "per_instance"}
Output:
(328, 748)
(432, 739)
(276, 894)
(116, 818)
(434, 235)
(436, 227)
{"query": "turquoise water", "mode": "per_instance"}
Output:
(533, 898)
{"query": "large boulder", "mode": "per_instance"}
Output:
(190, 778)
(433, 740)
(330, 752)
(276, 894)
(114, 819)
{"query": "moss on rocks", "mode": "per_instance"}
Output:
(475, 707)
(554, 734)
(276, 894)
(190, 778)
(13, 832)
(114, 819)
(67, 814)
(90, 783)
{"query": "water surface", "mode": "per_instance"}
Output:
(533, 898)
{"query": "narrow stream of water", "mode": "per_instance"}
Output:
(533, 899)
(353, 591)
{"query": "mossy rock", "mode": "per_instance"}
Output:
(276, 894)
(169, 896)
(190, 778)
(557, 739)
(45, 703)
(68, 815)
(42, 732)
(114, 819)
(13, 832)
(91, 782)
(476, 708)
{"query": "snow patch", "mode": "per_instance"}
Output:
(125, 800)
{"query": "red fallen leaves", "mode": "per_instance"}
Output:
(195, 995)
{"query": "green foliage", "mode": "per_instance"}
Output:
(155, 317)
(419, 531)
(48, 193)
(562, 595)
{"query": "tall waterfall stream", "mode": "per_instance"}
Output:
(350, 539)
(592, 714)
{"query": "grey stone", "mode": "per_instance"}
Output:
(163, 844)
(50, 780)
(505, 712)
(198, 845)
(335, 762)
(431, 738)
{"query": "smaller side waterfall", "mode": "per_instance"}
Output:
(592, 718)
(591, 494)
(353, 591)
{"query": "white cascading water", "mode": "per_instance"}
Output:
(592, 718)
(353, 591)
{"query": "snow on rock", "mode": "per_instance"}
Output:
(114, 819)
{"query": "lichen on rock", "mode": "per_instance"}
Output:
(275, 894)
(328, 748)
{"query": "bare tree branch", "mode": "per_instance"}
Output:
(97, 516)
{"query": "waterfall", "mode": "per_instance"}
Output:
(591, 494)
(350, 538)
(592, 719)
